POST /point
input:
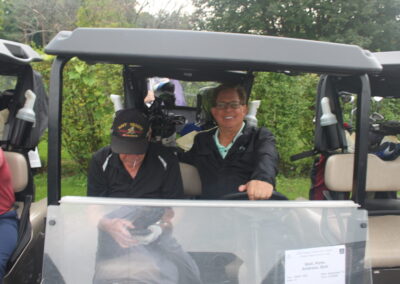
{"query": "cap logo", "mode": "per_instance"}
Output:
(130, 129)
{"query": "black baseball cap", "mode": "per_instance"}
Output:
(129, 132)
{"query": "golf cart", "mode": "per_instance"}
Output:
(229, 241)
(23, 119)
(382, 182)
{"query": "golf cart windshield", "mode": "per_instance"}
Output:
(207, 242)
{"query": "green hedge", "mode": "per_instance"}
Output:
(87, 109)
(287, 109)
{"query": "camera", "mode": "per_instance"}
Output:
(163, 122)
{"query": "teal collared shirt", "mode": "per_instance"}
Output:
(222, 149)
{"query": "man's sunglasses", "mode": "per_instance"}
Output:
(223, 105)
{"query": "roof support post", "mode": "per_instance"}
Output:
(362, 142)
(54, 142)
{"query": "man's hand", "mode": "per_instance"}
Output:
(118, 229)
(165, 222)
(257, 189)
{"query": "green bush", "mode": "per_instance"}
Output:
(87, 109)
(287, 109)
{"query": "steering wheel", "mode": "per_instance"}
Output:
(243, 196)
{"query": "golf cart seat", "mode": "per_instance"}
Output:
(19, 170)
(191, 180)
(381, 175)
(383, 249)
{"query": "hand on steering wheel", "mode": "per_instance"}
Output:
(257, 189)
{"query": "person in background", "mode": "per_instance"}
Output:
(234, 157)
(8, 216)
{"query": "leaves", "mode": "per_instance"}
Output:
(374, 25)
(37, 20)
(87, 109)
(286, 110)
(40, 20)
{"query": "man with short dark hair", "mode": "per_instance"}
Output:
(234, 157)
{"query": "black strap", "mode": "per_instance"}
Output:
(303, 155)
(25, 217)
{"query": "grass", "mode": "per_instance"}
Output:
(72, 185)
(293, 188)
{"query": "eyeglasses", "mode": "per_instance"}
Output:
(223, 105)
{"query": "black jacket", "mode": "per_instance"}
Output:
(158, 177)
(252, 156)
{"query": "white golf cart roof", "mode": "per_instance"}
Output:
(211, 50)
(17, 53)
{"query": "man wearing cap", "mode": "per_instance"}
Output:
(132, 166)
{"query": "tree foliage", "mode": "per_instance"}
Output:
(87, 108)
(2, 9)
(37, 20)
(287, 110)
(371, 24)
(107, 13)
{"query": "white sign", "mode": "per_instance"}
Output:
(322, 265)
(34, 158)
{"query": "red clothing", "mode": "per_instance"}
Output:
(7, 197)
